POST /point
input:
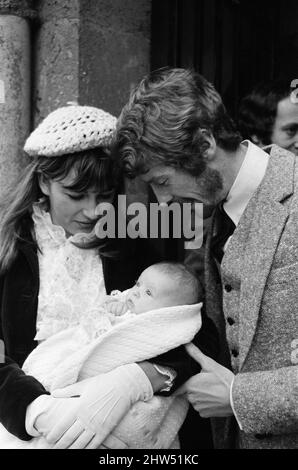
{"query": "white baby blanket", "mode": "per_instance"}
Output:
(69, 356)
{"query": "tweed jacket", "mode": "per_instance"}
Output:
(254, 302)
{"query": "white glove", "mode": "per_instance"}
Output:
(47, 415)
(113, 442)
(105, 399)
(44, 413)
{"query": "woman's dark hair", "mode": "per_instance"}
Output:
(163, 120)
(258, 110)
(92, 169)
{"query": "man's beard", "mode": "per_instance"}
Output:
(211, 186)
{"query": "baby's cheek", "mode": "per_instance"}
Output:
(138, 306)
(144, 305)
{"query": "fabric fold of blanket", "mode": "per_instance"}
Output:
(69, 356)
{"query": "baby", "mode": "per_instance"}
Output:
(166, 294)
(164, 284)
(161, 285)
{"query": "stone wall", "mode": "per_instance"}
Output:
(89, 51)
(114, 50)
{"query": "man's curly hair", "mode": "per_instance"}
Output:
(163, 120)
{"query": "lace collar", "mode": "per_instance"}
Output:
(46, 230)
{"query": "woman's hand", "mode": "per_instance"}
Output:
(104, 401)
(47, 414)
(54, 416)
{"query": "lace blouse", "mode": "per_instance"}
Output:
(71, 280)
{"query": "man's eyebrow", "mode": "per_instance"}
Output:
(290, 124)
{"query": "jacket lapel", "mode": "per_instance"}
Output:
(213, 298)
(262, 223)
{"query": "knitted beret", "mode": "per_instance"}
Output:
(71, 129)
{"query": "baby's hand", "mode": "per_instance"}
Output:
(116, 307)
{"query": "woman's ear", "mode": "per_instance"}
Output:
(208, 144)
(44, 185)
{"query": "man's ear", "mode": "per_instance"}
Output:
(44, 185)
(208, 144)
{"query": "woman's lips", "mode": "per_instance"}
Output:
(85, 224)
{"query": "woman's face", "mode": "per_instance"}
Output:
(73, 211)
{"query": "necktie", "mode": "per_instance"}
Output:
(224, 227)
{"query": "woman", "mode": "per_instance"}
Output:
(50, 273)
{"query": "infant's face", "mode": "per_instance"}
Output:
(152, 290)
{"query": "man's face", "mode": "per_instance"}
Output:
(170, 184)
(285, 129)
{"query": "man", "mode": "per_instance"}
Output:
(269, 114)
(176, 134)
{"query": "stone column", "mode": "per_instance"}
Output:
(56, 46)
(15, 88)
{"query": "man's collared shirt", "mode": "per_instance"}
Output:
(249, 178)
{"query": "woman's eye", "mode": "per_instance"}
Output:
(148, 292)
(163, 183)
(76, 197)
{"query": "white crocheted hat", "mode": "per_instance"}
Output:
(71, 129)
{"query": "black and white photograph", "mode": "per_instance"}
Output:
(149, 228)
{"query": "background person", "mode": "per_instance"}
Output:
(269, 115)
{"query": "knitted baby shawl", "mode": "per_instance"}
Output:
(149, 425)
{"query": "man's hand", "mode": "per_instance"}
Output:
(208, 391)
